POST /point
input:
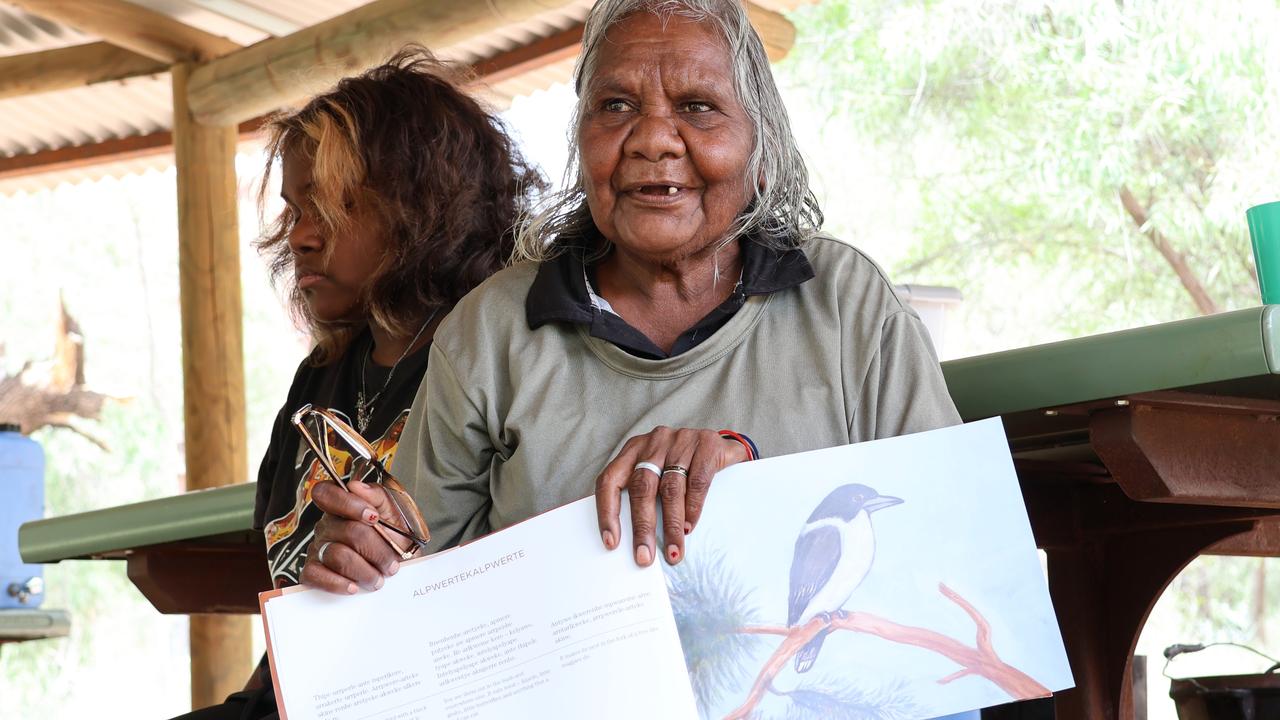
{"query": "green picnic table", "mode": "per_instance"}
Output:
(1136, 450)
(21, 625)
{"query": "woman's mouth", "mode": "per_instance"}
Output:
(307, 279)
(657, 193)
(658, 190)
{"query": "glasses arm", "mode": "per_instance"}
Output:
(365, 450)
(322, 455)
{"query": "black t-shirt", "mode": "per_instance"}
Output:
(283, 510)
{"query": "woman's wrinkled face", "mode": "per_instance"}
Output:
(664, 141)
(331, 272)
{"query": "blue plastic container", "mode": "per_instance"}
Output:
(21, 499)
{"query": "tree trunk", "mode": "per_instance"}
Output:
(1190, 281)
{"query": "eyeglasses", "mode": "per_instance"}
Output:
(339, 447)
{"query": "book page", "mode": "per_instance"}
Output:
(890, 579)
(895, 578)
(537, 616)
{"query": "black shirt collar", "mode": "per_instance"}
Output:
(559, 294)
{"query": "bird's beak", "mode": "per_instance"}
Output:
(881, 502)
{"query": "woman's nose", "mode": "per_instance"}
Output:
(304, 238)
(654, 137)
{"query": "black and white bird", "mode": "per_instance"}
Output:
(833, 554)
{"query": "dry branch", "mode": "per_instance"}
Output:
(980, 660)
(51, 394)
(1186, 275)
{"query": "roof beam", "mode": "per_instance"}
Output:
(133, 27)
(276, 72)
(71, 67)
(91, 63)
(500, 67)
(776, 31)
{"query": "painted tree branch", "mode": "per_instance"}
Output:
(980, 660)
(1190, 281)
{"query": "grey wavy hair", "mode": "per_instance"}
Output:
(783, 214)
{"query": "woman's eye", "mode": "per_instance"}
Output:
(615, 105)
(697, 107)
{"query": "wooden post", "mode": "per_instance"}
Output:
(212, 361)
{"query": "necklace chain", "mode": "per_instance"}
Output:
(365, 406)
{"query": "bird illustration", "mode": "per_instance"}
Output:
(833, 554)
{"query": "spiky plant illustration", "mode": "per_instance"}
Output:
(712, 607)
(834, 701)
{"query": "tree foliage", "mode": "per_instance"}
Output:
(1014, 131)
(1020, 125)
(109, 248)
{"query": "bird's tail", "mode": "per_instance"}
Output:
(809, 653)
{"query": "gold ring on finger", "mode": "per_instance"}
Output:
(677, 469)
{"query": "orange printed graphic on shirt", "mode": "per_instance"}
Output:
(384, 449)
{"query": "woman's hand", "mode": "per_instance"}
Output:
(354, 554)
(701, 453)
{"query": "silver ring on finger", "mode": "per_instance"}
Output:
(320, 552)
(680, 470)
(648, 466)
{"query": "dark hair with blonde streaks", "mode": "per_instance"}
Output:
(401, 146)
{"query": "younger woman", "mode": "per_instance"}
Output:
(401, 194)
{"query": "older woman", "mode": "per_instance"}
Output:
(677, 288)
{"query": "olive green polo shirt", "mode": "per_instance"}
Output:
(513, 420)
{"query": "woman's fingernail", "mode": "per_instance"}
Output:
(688, 528)
(371, 517)
(607, 537)
(395, 567)
(378, 585)
(351, 588)
(673, 553)
(643, 556)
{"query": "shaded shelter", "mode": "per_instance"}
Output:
(112, 86)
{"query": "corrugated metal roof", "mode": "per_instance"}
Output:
(21, 32)
(91, 114)
(143, 105)
(510, 37)
(138, 106)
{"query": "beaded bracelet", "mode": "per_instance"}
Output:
(753, 453)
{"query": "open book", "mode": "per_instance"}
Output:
(889, 579)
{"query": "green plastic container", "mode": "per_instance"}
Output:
(1264, 229)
